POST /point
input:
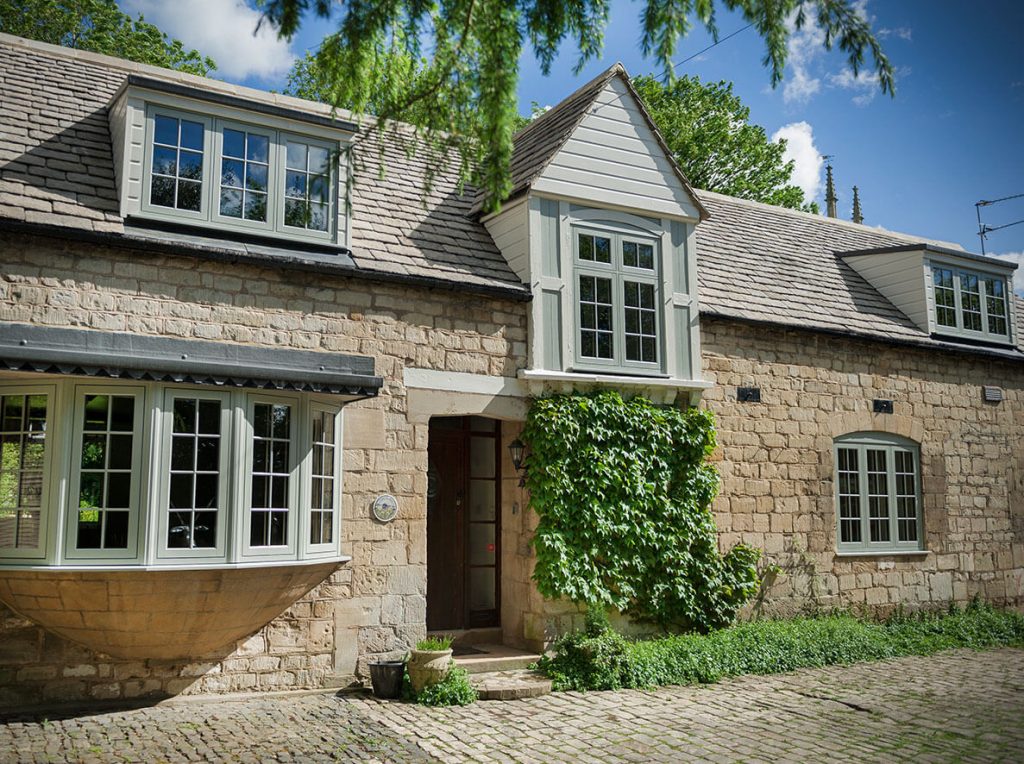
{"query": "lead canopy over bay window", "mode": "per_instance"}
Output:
(131, 472)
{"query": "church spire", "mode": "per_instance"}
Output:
(830, 192)
(858, 216)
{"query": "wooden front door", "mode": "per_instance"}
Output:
(463, 523)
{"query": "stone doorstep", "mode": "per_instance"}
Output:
(495, 658)
(510, 685)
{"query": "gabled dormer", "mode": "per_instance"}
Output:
(948, 293)
(229, 165)
(600, 223)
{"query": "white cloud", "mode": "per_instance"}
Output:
(803, 47)
(903, 33)
(864, 84)
(223, 30)
(1018, 276)
(807, 160)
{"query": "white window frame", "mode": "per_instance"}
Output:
(295, 478)
(861, 442)
(51, 483)
(213, 141)
(982, 275)
(618, 273)
(228, 476)
(140, 482)
(323, 550)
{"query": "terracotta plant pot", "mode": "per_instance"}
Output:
(427, 667)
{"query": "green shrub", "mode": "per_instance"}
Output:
(443, 642)
(623, 493)
(453, 690)
(602, 660)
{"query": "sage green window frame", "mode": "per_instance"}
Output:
(861, 443)
(618, 273)
(959, 273)
(140, 456)
(315, 408)
(213, 143)
(152, 430)
(296, 442)
(227, 475)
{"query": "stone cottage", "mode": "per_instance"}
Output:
(255, 428)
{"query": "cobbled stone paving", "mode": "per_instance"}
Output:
(959, 706)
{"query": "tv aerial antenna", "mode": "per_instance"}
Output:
(983, 229)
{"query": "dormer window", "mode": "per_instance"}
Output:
(230, 167)
(970, 303)
(258, 180)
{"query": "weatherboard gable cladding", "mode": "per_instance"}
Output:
(613, 158)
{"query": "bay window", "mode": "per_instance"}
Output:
(161, 474)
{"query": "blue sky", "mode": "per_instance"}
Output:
(951, 137)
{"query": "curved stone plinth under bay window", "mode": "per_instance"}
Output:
(158, 614)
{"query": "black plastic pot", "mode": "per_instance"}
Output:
(386, 677)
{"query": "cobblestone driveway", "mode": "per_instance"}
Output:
(960, 706)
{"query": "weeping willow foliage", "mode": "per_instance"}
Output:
(451, 67)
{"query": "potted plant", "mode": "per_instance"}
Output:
(429, 662)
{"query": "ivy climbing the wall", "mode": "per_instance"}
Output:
(624, 496)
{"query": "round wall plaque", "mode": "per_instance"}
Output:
(385, 508)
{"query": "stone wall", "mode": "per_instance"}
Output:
(373, 606)
(776, 462)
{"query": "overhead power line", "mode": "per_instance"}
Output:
(705, 50)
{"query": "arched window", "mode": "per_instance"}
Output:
(878, 493)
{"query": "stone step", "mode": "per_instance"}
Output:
(490, 658)
(510, 685)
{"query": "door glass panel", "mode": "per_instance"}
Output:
(481, 500)
(481, 457)
(481, 424)
(482, 589)
(481, 544)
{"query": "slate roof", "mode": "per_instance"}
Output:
(769, 264)
(755, 262)
(537, 143)
(56, 168)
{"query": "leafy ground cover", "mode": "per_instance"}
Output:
(599, 658)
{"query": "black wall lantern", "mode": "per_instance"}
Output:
(517, 450)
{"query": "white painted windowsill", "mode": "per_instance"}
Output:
(540, 375)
